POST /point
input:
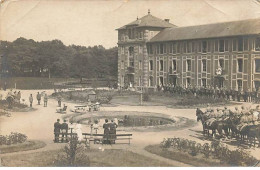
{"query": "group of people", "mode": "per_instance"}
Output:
(39, 97)
(61, 128)
(211, 91)
(241, 117)
(109, 132)
(15, 95)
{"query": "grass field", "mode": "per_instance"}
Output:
(28, 145)
(98, 158)
(32, 82)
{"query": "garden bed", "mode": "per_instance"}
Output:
(196, 154)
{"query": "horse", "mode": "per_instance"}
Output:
(215, 125)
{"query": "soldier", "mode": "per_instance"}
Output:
(226, 113)
(38, 97)
(31, 100)
(45, 100)
(57, 127)
(236, 113)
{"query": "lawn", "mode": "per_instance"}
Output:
(28, 145)
(98, 158)
(33, 82)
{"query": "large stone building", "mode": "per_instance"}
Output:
(154, 52)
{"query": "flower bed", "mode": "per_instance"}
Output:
(13, 138)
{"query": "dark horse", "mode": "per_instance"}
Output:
(215, 125)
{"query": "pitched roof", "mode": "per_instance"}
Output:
(225, 29)
(149, 21)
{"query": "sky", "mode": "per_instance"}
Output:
(89, 22)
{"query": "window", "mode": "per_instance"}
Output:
(234, 45)
(122, 65)
(174, 65)
(199, 47)
(188, 81)
(204, 82)
(221, 63)
(188, 65)
(131, 51)
(150, 81)
(151, 65)
(164, 49)
(257, 44)
(140, 35)
(239, 84)
(257, 65)
(240, 65)
(122, 50)
(161, 65)
(140, 49)
(189, 47)
(178, 47)
(204, 46)
(204, 65)
(150, 49)
(122, 80)
(161, 49)
(184, 47)
(193, 47)
(161, 81)
(131, 33)
(216, 45)
(170, 48)
(140, 65)
(140, 81)
(174, 46)
(245, 44)
(240, 44)
(226, 45)
(221, 45)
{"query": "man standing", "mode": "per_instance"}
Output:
(59, 101)
(57, 127)
(38, 96)
(19, 96)
(31, 100)
(45, 100)
(64, 130)
(112, 132)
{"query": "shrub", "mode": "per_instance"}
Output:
(74, 154)
(13, 138)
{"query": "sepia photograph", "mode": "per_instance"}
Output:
(129, 83)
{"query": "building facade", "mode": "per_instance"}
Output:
(152, 52)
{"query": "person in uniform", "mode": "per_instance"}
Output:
(59, 101)
(31, 100)
(106, 139)
(38, 97)
(19, 96)
(64, 130)
(45, 100)
(57, 127)
(112, 131)
(226, 113)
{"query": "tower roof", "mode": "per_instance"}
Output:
(149, 21)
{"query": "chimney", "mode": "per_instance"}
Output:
(167, 20)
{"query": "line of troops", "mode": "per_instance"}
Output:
(210, 91)
(244, 116)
